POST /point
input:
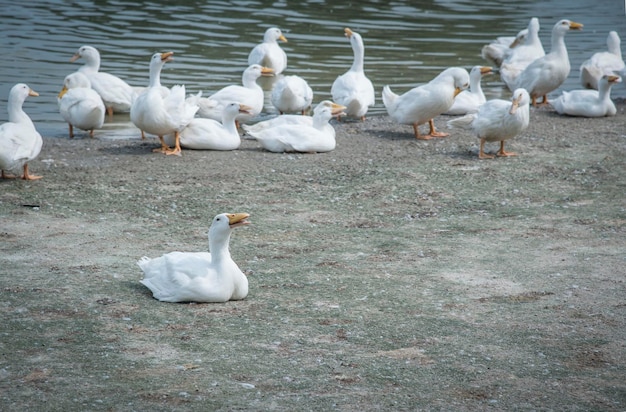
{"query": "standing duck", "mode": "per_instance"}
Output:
(80, 105)
(269, 53)
(117, 95)
(201, 276)
(353, 89)
(497, 120)
(547, 73)
(161, 113)
(422, 103)
(19, 140)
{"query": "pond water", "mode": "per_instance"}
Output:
(407, 43)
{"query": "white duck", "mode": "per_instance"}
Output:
(249, 94)
(19, 140)
(601, 63)
(80, 105)
(495, 52)
(353, 89)
(470, 99)
(422, 103)
(301, 138)
(294, 119)
(161, 113)
(497, 120)
(588, 103)
(291, 94)
(547, 73)
(117, 95)
(520, 57)
(209, 134)
(269, 53)
(201, 276)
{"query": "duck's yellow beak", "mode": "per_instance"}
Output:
(167, 56)
(515, 104)
(348, 32)
(237, 219)
(63, 91)
(614, 79)
(337, 109)
(266, 71)
(457, 90)
(283, 38)
(33, 93)
(486, 70)
(575, 26)
(75, 57)
(245, 109)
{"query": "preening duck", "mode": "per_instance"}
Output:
(588, 103)
(497, 120)
(117, 95)
(249, 94)
(470, 99)
(291, 94)
(209, 134)
(547, 73)
(422, 103)
(601, 63)
(353, 89)
(269, 54)
(300, 137)
(19, 140)
(201, 276)
(162, 113)
(80, 105)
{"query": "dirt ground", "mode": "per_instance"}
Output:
(389, 274)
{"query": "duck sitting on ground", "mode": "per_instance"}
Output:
(201, 276)
(497, 120)
(19, 140)
(209, 134)
(422, 103)
(80, 105)
(588, 103)
(301, 138)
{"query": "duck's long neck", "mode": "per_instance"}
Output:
(218, 246)
(604, 92)
(228, 121)
(359, 56)
(250, 82)
(92, 64)
(558, 44)
(17, 114)
(155, 76)
(475, 86)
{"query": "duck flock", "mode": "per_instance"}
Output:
(213, 122)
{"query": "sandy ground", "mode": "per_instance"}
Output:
(389, 274)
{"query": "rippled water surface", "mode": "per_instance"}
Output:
(405, 44)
